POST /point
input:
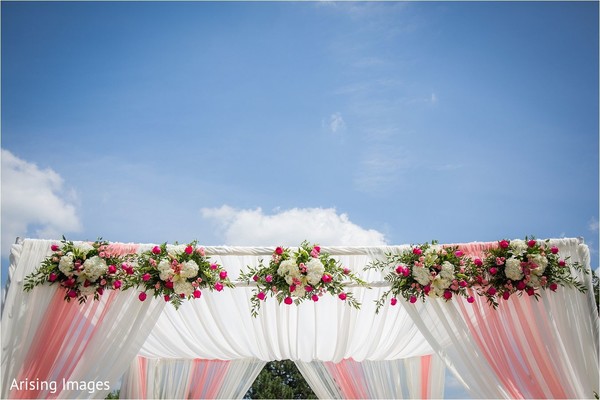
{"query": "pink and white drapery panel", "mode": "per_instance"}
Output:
(525, 348)
(415, 377)
(189, 379)
(52, 349)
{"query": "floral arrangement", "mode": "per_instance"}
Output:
(520, 266)
(175, 272)
(293, 277)
(427, 270)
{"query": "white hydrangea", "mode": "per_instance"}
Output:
(439, 285)
(287, 268)
(315, 270)
(182, 286)
(65, 265)
(93, 268)
(83, 247)
(518, 247)
(447, 271)
(513, 270)
(421, 275)
(176, 249)
(165, 270)
(534, 281)
(189, 269)
(299, 292)
(87, 291)
(540, 261)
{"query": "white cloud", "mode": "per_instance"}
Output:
(336, 123)
(34, 202)
(434, 98)
(325, 226)
(593, 224)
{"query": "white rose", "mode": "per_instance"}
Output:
(189, 269)
(518, 246)
(513, 270)
(421, 275)
(65, 265)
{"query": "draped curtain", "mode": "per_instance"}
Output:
(189, 378)
(409, 378)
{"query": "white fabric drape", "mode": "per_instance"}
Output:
(409, 378)
(552, 342)
(189, 379)
(219, 325)
(94, 343)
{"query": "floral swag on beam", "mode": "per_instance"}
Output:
(179, 272)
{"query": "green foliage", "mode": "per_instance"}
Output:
(280, 380)
(114, 395)
(596, 284)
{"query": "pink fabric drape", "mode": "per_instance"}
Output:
(206, 377)
(60, 342)
(350, 378)
(425, 374)
(509, 339)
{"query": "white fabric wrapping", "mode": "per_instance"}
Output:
(393, 379)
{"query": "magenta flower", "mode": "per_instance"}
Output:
(279, 251)
(530, 291)
(478, 262)
(156, 250)
(146, 277)
(506, 295)
(553, 286)
(520, 285)
(55, 247)
(562, 263)
(100, 291)
(72, 294)
(346, 270)
(470, 299)
(117, 284)
(491, 291)
(393, 301)
(189, 250)
(261, 296)
(342, 296)
(447, 294)
(308, 288)
(167, 297)
(554, 250)
(493, 270)
(69, 282)
(459, 253)
(197, 294)
(223, 274)
(214, 266)
(315, 297)
(218, 286)
(399, 270)
(413, 299)
(531, 243)
(326, 278)
(52, 277)
(268, 278)
(142, 296)
(504, 244)
(292, 288)
(417, 251)
(462, 283)
(255, 278)
(288, 300)
(169, 284)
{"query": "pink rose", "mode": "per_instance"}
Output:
(288, 300)
(462, 283)
(279, 250)
(146, 277)
(506, 295)
(197, 294)
(491, 291)
(214, 266)
(142, 296)
(200, 250)
(553, 286)
(504, 244)
(459, 253)
(112, 269)
(156, 250)
(393, 301)
(223, 275)
(55, 247)
(72, 294)
(342, 296)
(413, 299)
(102, 254)
(169, 284)
(417, 251)
(268, 278)
(218, 286)
(52, 277)
(315, 297)
(470, 299)
(493, 270)
(117, 284)
(531, 243)
(554, 250)
(478, 262)
(326, 278)
(189, 250)
(261, 296)
(152, 262)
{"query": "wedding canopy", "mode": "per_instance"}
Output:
(212, 347)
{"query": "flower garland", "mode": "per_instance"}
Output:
(427, 270)
(293, 277)
(87, 269)
(517, 266)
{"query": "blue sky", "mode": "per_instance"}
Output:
(268, 123)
